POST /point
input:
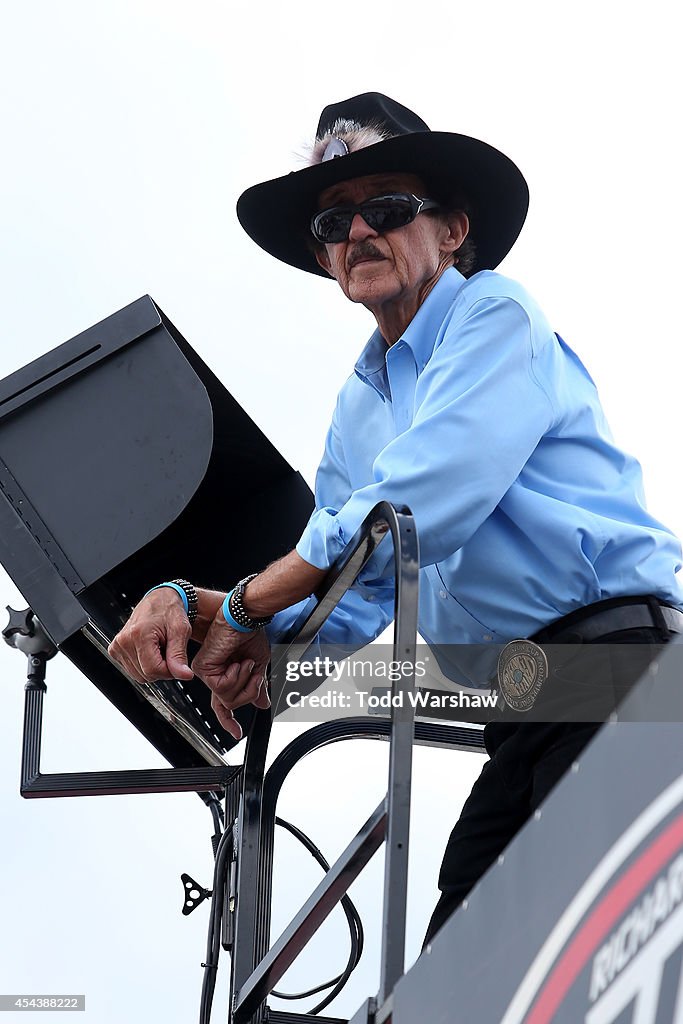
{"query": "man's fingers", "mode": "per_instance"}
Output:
(178, 667)
(145, 662)
(173, 649)
(241, 684)
(263, 700)
(233, 668)
(151, 661)
(226, 718)
(250, 693)
(121, 657)
(153, 643)
(259, 681)
(229, 685)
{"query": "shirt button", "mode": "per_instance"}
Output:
(371, 597)
(442, 593)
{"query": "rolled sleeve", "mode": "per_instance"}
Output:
(323, 540)
(367, 608)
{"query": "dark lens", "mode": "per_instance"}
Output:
(332, 225)
(387, 214)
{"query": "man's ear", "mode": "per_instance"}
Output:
(323, 259)
(458, 224)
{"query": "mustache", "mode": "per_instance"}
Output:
(363, 251)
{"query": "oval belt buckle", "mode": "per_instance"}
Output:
(522, 670)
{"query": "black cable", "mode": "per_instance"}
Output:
(355, 930)
(216, 809)
(213, 943)
(223, 851)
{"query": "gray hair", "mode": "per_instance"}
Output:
(464, 258)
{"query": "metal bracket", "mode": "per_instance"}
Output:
(25, 633)
(194, 893)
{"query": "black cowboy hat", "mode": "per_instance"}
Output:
(277, 213)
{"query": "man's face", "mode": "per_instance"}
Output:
(394, 267)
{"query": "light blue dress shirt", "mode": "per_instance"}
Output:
(484, 422)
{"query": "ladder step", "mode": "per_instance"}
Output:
(288, 1017)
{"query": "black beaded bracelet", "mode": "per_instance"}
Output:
(191, 595)
(237, 609)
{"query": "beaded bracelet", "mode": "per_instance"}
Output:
(186, 592)
(227, 615)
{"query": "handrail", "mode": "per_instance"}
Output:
(398, 521)
(251, 982)
(453, 737)
(340, 577)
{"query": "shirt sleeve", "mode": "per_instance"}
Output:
(480, 411)
(367, 608)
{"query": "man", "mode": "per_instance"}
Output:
(466, 407)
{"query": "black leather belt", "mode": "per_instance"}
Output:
(523, 664)
(606, 617)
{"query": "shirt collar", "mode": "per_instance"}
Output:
(371, 366)
(419, 335)
(421, 332)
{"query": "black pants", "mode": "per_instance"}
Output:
(528, 758)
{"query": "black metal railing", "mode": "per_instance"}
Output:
(251, 794)
(256, 968)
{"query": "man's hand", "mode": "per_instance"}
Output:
(153, 643)
(233, 665)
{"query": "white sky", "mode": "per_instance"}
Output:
(129, 130)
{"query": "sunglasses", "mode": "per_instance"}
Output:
(383, 213)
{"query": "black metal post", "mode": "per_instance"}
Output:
(247, 842)
(406, 562)
(33, 722)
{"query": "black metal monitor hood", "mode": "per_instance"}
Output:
(125, 461)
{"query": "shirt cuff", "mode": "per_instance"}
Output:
(323, 539)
